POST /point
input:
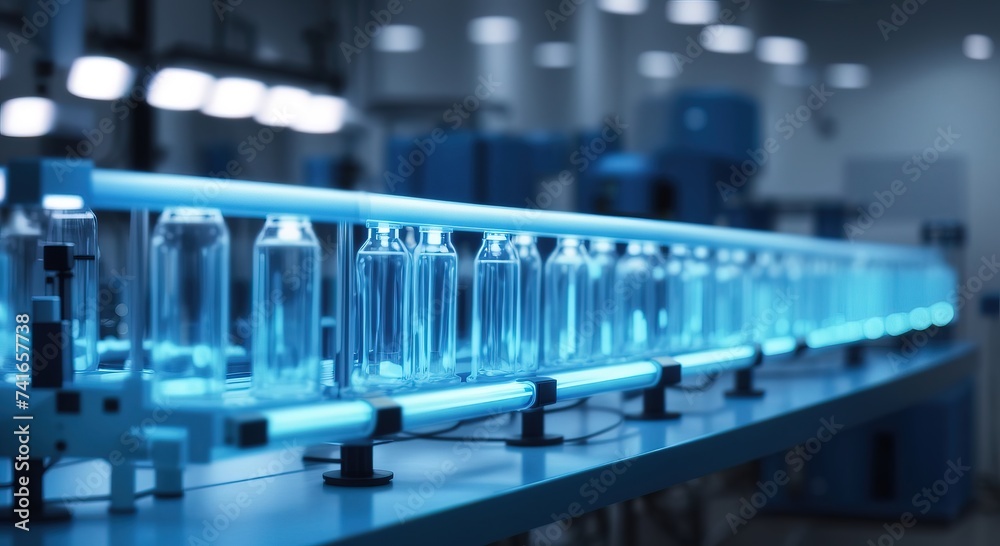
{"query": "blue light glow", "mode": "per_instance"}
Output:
(897, 324)
(942, 313)
(874, 328)
(421, 409)
(573, 384)
(920, 318)
(732, 358)
(779, 345)
(339, 420)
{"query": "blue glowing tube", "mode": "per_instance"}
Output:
(778, 346)
(337, 420)
(716, 360)
(431, 407)
(123, 190)
(573, 384)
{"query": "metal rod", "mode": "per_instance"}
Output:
(138, 273)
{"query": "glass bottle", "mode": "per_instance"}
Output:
(435, 308)
(529, 353)
(659, 338)
(569, 326)
(384, 270)
(189, 303)
(286, 288)
(728, 292)
(496, 309)
(79, 227)
(603, 258)
(633, 282)
(698, 300)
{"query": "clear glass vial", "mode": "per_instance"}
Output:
(659, 317)
(729, 292)
(189, 303)
(698, 301)
(496, 309)
(603, 258)
(633, 287)
(529, 354)
(79, 227)
(384, 277)
(286, 329)
(569, 327)
(435, 308)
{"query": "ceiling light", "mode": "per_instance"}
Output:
(99, 78)
(978, 47)
(399, 39)
(179, 89)
(322, 114)
(782, 50)
(493, 30)
(234, 98)
(727, 38)
(847, 75)
(27, 117)
(692, 12)
(657, 64)
(554, 54)
(62, 202)
(623, 7)
(282, 106)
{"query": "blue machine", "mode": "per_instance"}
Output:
(896, 464)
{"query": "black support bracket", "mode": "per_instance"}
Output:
(533, 419)
(654, 399)
(743, 385)
(357, 467)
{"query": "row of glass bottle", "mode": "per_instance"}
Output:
(597, 306)
(590, 305)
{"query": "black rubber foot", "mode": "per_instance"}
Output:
(658, 416)
(378, 477)
(50, 512)
(753, 393)
(535, 441)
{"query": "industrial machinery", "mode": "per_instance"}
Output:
(674, 301)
